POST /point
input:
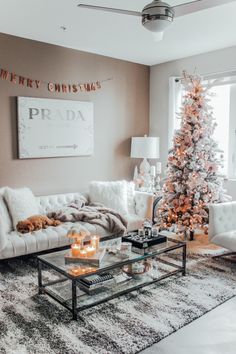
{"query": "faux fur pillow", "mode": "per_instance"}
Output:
(130, 197)
(111, 194)
(21, 204)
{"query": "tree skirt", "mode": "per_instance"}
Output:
(31, 323)
(201, 246)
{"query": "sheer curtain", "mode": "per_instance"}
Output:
(175, 97)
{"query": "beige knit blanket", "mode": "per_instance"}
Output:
(95, 214)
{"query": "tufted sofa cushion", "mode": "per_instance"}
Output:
(222, 218)
(144, 204)
(46, 239)
(36, 241)
(52, 237)
(57, 201)
(226, 240)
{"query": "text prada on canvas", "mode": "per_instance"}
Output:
(55, 114)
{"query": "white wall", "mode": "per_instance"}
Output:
(217, 61)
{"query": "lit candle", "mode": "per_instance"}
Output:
(76, 271)
(83, 253)
(90, 251)
(75, 250)
(158, 168)
(95, 242)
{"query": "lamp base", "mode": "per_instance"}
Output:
(144, 167)
(145, 174)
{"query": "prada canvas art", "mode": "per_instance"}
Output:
(54, 128)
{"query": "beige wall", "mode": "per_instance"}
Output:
(121, 110)
(217, 61)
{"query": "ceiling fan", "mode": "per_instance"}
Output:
(158, 15)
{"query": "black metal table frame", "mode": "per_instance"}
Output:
(43, 288)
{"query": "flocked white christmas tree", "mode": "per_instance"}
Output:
(193, 170)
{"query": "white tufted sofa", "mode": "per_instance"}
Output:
(222, 225)
(13, 244)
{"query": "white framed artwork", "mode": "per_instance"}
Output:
(54, 128)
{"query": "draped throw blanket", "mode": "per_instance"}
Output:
(95, 214)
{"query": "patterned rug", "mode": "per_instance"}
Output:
(31, 323)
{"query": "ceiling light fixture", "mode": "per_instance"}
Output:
(158, 15)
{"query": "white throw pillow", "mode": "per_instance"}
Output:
(112, 194)
(21, 204)
(130, 197)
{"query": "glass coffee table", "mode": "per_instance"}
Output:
(64, 282)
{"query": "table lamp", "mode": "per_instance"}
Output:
(145, 148)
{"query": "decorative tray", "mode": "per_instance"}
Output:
(94, 260)
(143, 241)
(136, 269)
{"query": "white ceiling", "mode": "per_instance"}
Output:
(115, 35)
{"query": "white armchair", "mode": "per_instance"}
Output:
(144, 204)
(222, 225)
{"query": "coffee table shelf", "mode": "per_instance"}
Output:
(66, 288)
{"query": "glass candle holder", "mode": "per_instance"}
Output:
(95, 242)
(90, 250)
(77, 235)
(75, 249)
(80, 239)
(83, 253)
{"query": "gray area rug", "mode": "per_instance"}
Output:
(31, 323)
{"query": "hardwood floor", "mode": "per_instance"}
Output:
(213, 333)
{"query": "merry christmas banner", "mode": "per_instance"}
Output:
(76, 87)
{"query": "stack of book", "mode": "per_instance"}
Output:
(95, 282)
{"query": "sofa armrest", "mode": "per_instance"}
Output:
(144, 204)
(5, 222)
(3, 237)
(222, 218)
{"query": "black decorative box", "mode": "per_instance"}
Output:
(143, 242)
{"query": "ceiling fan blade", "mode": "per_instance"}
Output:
(110, 9)
(194, 6)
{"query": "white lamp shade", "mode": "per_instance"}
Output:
(145, 147)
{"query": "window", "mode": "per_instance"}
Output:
(223, 102)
